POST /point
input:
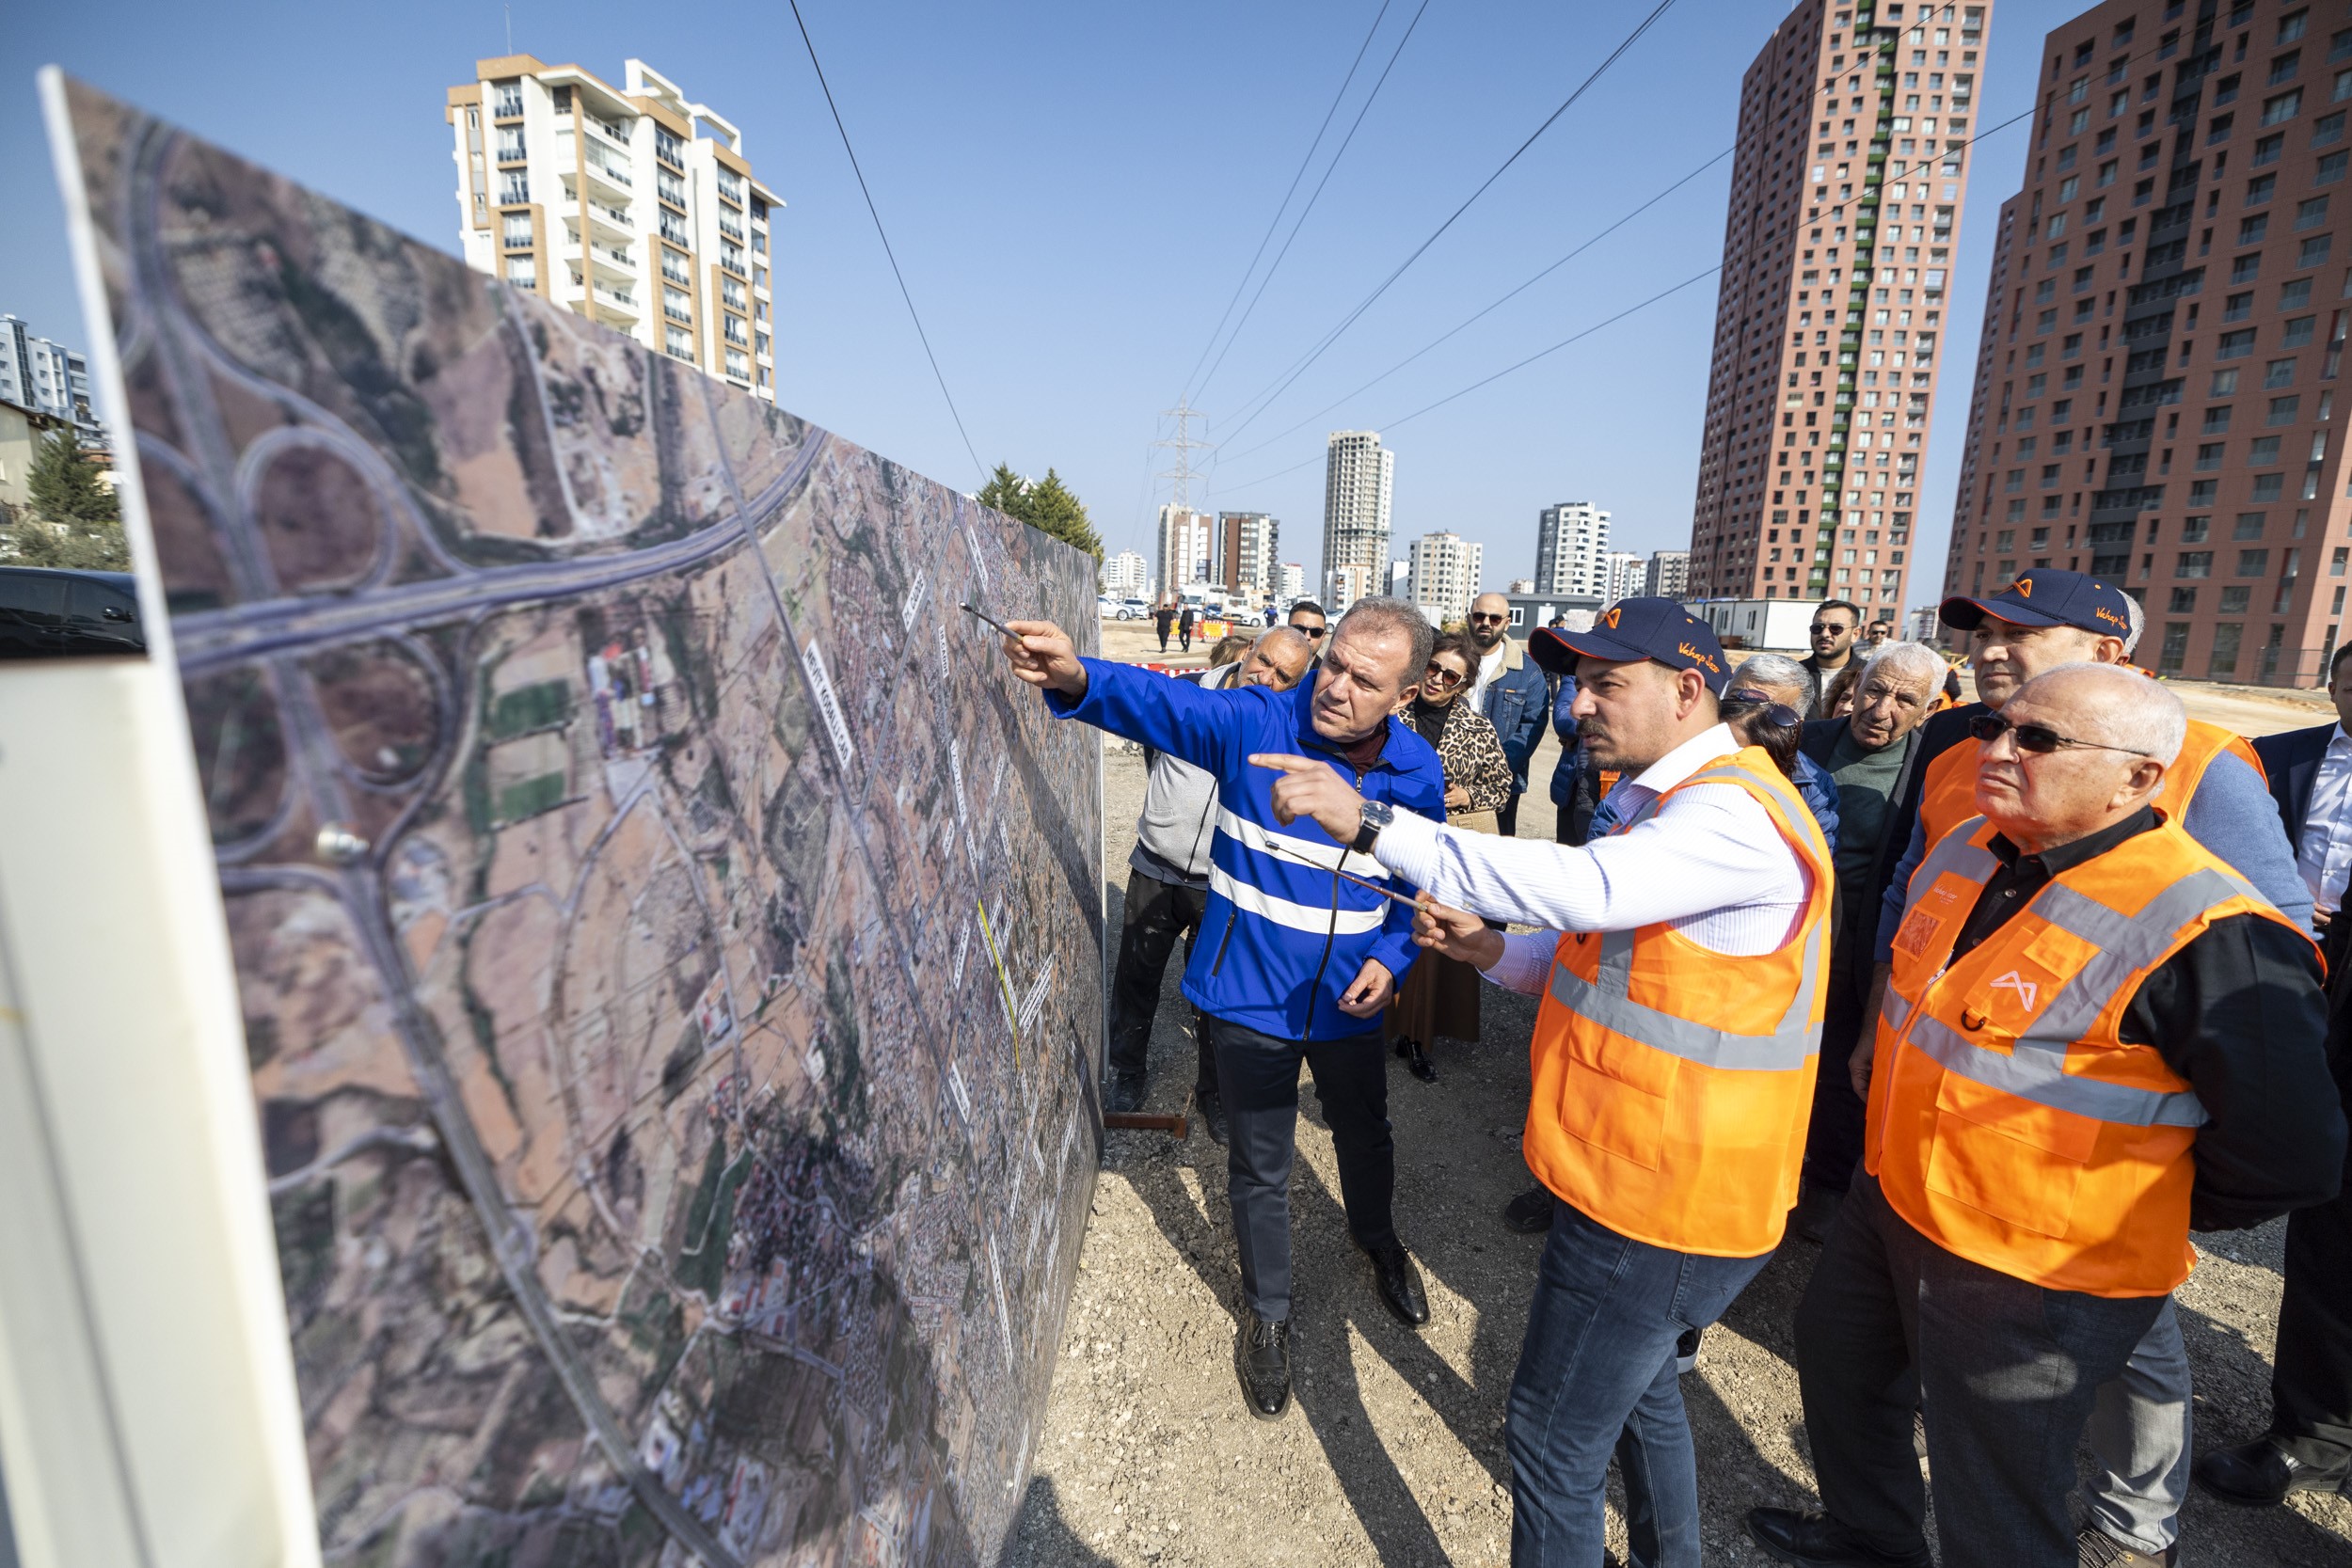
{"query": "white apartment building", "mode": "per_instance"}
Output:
(1344, 585)
(1188, 550)
(45, 377)
(1669, 574)
(631, 205)
(1358, 479)
(1248, 543)
(1445, 571)
(1622, 575)
(1571, 549)
(1294, 581)
(1125, 575)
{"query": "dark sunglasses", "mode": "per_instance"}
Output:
(1779, 715)
(2038, 738)
(1441, 677)
(1498, 620)
(1819, 627)
(1307, 632)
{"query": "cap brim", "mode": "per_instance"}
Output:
(1591, 645)
(1550, 652)
(1962, 613)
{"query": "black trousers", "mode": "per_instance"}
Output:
(2009, 1370)
(1258, 1074)
(1507, 819)
(1833, 1136)
(1157, 913)
(2311, 1390)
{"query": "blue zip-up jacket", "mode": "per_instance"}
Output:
(1280, 940)
(1571, 756)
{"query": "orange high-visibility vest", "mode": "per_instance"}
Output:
(1672, 1084)
(2008, 1121)
(1947, 796)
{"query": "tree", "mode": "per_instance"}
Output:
(73, 520)
(1046, 504)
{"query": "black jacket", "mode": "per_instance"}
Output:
(2292, 761)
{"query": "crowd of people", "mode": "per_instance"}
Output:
(1993, 1002)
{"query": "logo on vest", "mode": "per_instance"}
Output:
(2028, 991)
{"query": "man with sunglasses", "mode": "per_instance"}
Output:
(1308, 620)
(1836, 624)
(2098, 1036)
(2215, 791)
(1680, 965)
(1511, 692)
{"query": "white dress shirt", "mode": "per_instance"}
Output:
(2325, 854)
(1709, 863)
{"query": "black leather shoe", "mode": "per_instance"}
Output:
(1124, 1092)
(1398, 1279)
(1530, 1213)
(1212, 1109)
(1263, 1357)
(1817, 1541)
(1417, 1059)
(2261, 1473)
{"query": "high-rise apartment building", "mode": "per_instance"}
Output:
(1622, 575)
(1124, 575)
(45, 377)
(1359, 477)
(1294, 581)
(1188, 550)
(631, 205)
(1346, 583)
(1248, 543)
(2155, 397)
(1571, 549)
(1444, 576)
(1846, 198)
(1668, 575)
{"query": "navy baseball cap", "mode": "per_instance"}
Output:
(2046, 597)
(1659, 630)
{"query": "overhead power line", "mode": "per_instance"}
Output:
(1317, 195)
(876, 213)
(1283, 382)
(2026, 113)
(1493, 306)
(1276, 221)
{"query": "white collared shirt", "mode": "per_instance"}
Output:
(1709, 863)
(2325, 854)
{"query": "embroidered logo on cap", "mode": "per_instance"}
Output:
(1609, 620)
(2022, 588)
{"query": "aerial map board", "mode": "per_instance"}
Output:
(670, 944)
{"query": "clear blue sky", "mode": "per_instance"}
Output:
(1073, 192)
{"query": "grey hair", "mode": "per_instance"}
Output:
(2139, 623)
(1378, 612)
(1274, 639)
(2123, 709)
(1910, 661)
(1777, 670)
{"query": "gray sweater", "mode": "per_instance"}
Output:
(1179, 820)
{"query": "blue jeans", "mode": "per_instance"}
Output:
(1596, 1375)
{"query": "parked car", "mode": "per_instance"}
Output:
(1104, 607)
(1135, 609)
(55, 615)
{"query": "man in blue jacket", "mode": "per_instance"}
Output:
(1511, 691)
(1294, 961)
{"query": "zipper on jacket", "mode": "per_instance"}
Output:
(1330, 936)
(1222, 942)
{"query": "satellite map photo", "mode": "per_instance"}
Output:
(670, 941)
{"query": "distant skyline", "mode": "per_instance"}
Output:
(1070, 245)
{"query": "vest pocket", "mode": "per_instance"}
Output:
(2007, 1157)
(1619, 1107)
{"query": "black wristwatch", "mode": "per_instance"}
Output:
(1377, 814)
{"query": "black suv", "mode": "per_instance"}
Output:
(54, 614)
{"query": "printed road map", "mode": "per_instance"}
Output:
(607, 795)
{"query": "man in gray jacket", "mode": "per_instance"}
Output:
(1168, 884)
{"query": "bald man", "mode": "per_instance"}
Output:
(1511, 691)
(2071, 1072)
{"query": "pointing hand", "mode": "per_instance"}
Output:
(1314, 790)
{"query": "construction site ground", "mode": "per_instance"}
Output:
(1393, 1454)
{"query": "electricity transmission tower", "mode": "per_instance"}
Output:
(1179, 478)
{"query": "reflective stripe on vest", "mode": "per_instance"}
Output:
(1603, 1000)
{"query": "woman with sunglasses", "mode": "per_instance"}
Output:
(1442, 997)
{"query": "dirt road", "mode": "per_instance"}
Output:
(1391, 1453)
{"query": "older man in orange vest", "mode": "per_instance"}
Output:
(2098, 1034)
(1681, 964)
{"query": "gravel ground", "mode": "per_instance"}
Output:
(1393, 1450)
